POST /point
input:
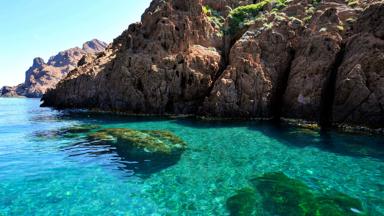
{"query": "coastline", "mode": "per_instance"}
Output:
(299, 123)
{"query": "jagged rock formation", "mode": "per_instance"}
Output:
(258, 62)
(166, 64)
(359, 91)
(314, 60)
(42, 76)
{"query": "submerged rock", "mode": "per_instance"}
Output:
(338, 204)
(81, 128)
(139, 151)
(142, 143)
(243, 203)
(147, 151)
(68, 132)
(281, 195)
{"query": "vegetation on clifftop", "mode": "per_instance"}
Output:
(243, 16)
(215, 18)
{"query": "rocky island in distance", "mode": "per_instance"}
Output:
(42, 76)
(319, 61)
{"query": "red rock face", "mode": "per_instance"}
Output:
(313, 61)
(359, 95)
(166, 64)
(258, 63)
(315, 56)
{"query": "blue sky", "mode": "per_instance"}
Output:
(42, 28)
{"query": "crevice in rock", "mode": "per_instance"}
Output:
(282, 84)
(328, 92)
(228, 43)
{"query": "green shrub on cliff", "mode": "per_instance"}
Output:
(245, 15)
(215, 18)
(352, 3)
(241, 16)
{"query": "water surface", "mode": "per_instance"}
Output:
(50, 175)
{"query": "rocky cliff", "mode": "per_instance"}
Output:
(42, 76)
(315, 60)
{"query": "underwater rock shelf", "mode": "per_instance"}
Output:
(280, 195)
(141, 143)
(143, 151)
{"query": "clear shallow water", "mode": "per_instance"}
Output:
(70, 176)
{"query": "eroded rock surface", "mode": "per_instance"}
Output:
(258, 64)
(311, 68)
(360, 80)
(166, 64)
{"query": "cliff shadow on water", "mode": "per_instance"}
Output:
(348, 144)
(342, 143)
(355, 145)
(131, 149)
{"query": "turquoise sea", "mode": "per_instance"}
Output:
(44, 171)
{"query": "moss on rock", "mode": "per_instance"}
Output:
(81, 128)
(214, 18)
(243, 16)
(338, 204)
(243, 203)
(143, 142)
(281, 195)
(147, 151)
